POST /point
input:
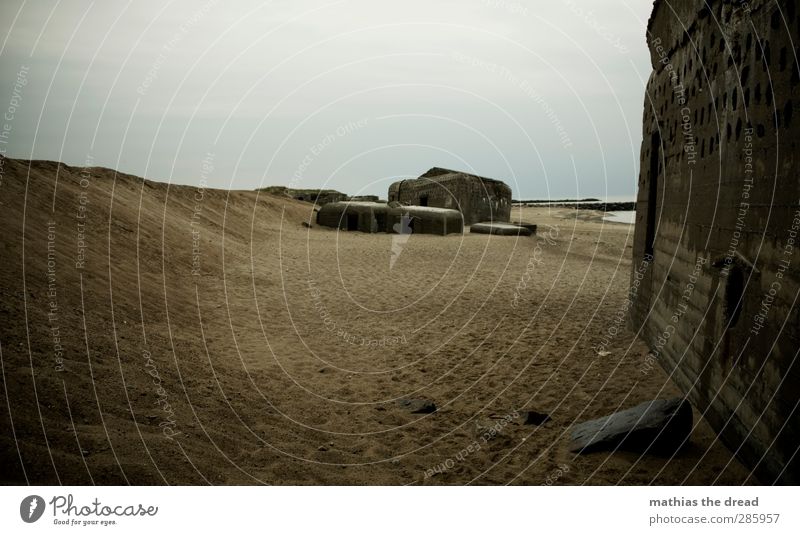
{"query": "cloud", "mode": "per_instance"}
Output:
(258, 83)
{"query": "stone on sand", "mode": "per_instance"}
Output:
(658, 426)
(418, 406)
(500, 229)
(490, 429)
(531, 417)
(530, 226)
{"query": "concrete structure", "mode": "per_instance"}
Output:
(425, 220)
(477, 198)
(319, 197)
(716, 269)
(380, 217)
(354, 215)
(500, 229)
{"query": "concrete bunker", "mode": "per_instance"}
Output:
(354, 216)
(477, 198)
(319, 197)
(425, 220)
(715, 258)
(380, 217)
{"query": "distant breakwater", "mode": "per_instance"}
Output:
(587, 204)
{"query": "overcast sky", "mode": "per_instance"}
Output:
(347, 94)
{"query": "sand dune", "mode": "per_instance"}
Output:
(164, 334)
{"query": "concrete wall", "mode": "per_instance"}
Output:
(716, 268)
(426, 220)
(317, 196)
(477, 198)
(359, 216)
(379, 217)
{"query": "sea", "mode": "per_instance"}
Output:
(627, 216)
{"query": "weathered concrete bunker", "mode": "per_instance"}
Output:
(354, 215)
(380, 217)
(425, 220)
(477, 198)
(316, 196)
(716, 271)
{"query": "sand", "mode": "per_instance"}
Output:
(208, 337)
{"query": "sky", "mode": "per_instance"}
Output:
(345, 94)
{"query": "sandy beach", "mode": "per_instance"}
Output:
(168, 334)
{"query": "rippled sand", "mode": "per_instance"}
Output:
(209, 337)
